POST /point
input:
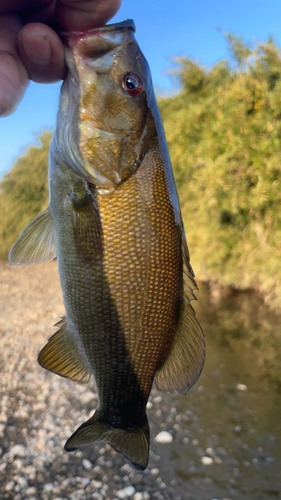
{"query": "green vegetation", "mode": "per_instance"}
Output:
(224, 135)
(24, 193)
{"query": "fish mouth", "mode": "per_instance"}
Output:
(128, 24)
(97, 42)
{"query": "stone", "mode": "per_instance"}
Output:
(22, 482)
(241, 387)
(126, 492)
(97, 496)
(17, 463)
(126, 468)
(31, 491)
(164, 437)
(48, 486)
(10, 485)
(158, 399)
(141, 496)
(138, 496)
(87, 464)
(154, 471)
(207, 460)
(18, 450)
(237, 428)
(97, 484)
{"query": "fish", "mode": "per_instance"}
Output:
(115, 226)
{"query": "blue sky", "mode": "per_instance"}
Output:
(165, 28)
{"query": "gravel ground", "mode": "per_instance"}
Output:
(39, 411)
(224, 436)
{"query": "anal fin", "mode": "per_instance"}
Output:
(60, 356)
(36, 243)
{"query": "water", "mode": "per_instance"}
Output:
(227, 441)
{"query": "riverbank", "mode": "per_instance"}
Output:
(222, 446)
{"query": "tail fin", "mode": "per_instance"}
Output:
(133, 444)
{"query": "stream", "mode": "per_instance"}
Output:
(229, 446)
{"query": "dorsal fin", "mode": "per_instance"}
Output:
(185, 361)
(36, 243)
(60, 356)
(189, 282)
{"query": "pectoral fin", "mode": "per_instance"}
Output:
(184, 364)
(60, 356)
(36, 244)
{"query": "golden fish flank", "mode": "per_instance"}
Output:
(114, 224)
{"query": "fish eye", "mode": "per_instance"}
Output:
(132, 84)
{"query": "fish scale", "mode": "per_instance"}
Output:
(152, 286)
(115, 226)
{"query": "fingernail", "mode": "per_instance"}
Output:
(37, 49)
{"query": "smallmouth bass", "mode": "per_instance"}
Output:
(115, 226)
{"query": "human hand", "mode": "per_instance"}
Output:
(31, 49)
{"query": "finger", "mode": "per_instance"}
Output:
(13, 76)
(29, 10)
(12, 6)
(42, 53)
(73, 15)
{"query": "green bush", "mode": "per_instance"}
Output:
(224, 136)
(23, 193)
